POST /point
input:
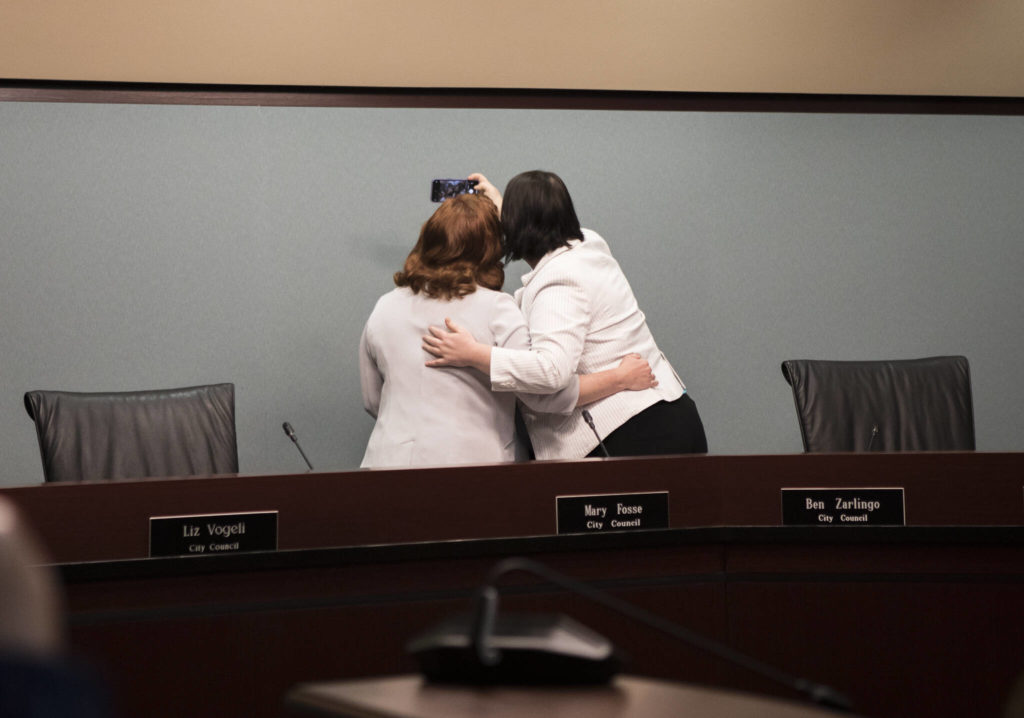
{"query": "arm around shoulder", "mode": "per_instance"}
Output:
(558, 315)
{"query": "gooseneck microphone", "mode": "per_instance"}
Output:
(590, 422)
(295, 440)
(483, 650)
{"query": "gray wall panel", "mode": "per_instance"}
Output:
(158, 246)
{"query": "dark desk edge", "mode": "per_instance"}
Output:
(531, 545)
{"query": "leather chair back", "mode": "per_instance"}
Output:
(169, 432)
(897, 405)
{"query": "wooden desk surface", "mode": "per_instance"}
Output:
(625, 697)
(109, 520)
(915, 620)
(905, 620)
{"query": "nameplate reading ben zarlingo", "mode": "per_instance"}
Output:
(611, 512)
(843, 507)
(205, 534)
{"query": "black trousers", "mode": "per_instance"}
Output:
(668, 427)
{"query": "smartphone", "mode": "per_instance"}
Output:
(442, 189)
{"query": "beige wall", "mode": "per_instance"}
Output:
(951, 47)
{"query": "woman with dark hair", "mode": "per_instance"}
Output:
(582, 317)
(430, 417)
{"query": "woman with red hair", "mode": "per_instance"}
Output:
(436, 417)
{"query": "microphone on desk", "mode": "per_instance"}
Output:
(295, 440)
(484, 648)
(590, 422)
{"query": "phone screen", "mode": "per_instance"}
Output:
(442, 189)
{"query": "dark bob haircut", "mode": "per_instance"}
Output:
(459, 247)
(537, 215)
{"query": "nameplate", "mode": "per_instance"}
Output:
(611, 512)
(843, 507)
(206, 534)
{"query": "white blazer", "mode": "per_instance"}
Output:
(438, 416)
(583, 318)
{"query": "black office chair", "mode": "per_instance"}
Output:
(136, 434)
(899, 405)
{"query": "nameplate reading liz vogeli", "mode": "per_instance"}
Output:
(611, 512)
(843, 507)
(207, 534)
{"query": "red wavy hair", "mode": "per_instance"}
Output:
(459, 248)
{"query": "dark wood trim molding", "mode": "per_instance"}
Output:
(495, 549)
(14, 90)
